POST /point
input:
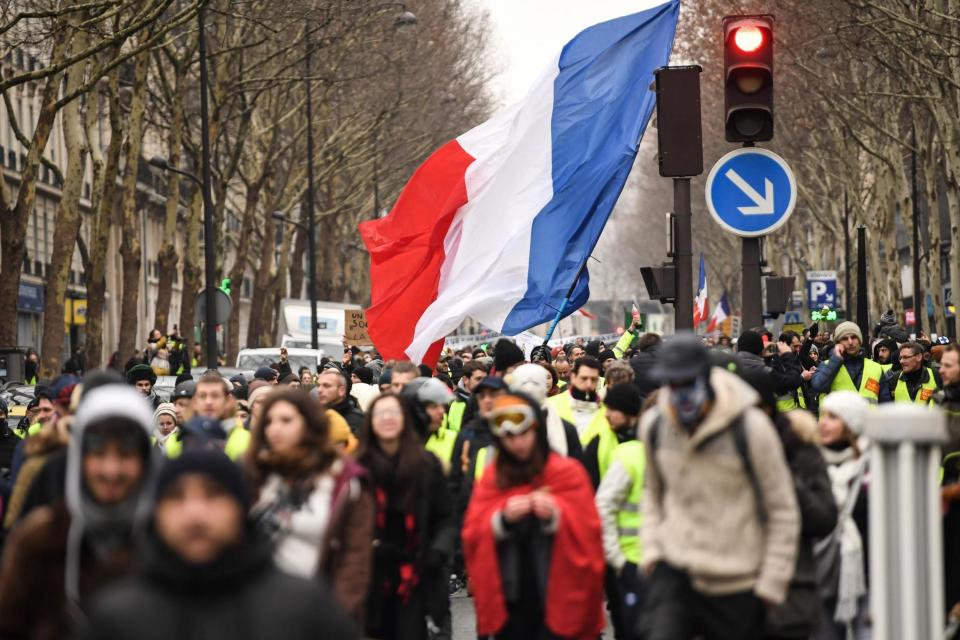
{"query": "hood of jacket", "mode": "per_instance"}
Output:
(804, 426)
(107, 525)
(731, 397)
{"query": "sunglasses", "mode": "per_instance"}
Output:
(513, 420)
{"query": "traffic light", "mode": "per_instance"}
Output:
(748, 77)
(779, 291)
(661, 282)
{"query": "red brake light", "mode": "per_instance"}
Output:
(748, 39)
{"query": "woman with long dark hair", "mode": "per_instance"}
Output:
(316, 506)
(414, 530)
(532, 523)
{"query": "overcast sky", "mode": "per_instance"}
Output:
(527, 34)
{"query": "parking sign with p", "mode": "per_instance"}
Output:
(821, 289)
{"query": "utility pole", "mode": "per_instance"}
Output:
(209, 242)
(863, 312)
(311, 218)
(919, 300)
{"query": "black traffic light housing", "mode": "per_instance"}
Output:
(661, 282)
(679, 133)
(779, 290)
(748, 78)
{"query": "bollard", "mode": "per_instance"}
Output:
(906, 535)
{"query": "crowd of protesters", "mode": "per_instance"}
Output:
(673, 488)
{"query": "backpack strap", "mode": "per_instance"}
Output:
(739, 431)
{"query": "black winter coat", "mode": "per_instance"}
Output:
(242, 595)
(798, 617)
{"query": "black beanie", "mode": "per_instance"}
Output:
(605, 355)
(505, 355)
(365, 374)
(212, 463)
(750, 342)
(624, 398)
(593, 348)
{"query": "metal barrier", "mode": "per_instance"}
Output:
(906, 535)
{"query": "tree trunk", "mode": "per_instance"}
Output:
(191, 268)
(260, 298)
(297, 270)
(65, 227)
(130, 247)
(239, 268)
(167, 256)
(13, 223)
(104, 194)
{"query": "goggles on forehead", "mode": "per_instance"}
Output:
(513, 420)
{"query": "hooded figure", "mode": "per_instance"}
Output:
(60, 554)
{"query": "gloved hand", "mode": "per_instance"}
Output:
(814, 329)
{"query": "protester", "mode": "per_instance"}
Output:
(206, 573)
(164, 424)
(534, 381)
(143, 378)
(842, 556)
(618, 503)
(331, 389)
(414, 528)
(712, 458)
(463, 408)
(60, 554)
(848, 369)
(913, 383)
(531, 523)
(507, 356)
(948, 398)
(315, 506)
(401, 374)
(427, 400)
(363, 389)
(341, 437)
(784, 368)
(182, 399)
(212, 402)
(258, 395)
(579, 404)
(622, 409)
(888, 328)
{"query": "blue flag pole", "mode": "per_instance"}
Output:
(565, 303)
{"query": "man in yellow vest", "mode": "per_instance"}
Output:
(579, 404)
(212, 406)
(464, 407)
(621, 413)
(914, 383)
(848, 369)
(618, 503)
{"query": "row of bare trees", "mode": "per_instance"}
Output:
(862, 86)
(386, 89)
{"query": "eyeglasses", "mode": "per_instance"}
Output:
(512, 420)
(387, 413)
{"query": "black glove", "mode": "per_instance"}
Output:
(814, 329)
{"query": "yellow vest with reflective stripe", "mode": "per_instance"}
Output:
(788, 402)
(872, 371)
(629, 519)
(237, 443)
(563, 406)
(928, 389)
(482, 461)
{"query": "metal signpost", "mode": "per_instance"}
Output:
(751, 192)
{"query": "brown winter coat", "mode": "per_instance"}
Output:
(347, 555)
(32, 598)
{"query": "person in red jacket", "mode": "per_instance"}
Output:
(531, 523)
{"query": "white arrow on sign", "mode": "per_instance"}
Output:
(763, 204)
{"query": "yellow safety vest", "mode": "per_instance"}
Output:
(600, 428)
(629, 519)
(453, 420)
(34, 429)
(924, 394)
(237, 443)
(791, 401)
(869, 381)
(562, 405)
(441, 443)
(485, 458)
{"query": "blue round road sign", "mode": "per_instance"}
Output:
(751, 192)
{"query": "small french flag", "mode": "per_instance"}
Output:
(701, 305)
(720, 315)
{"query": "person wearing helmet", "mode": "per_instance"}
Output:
(712, 457)
(532, 523)
(534, 380)
(428, 399)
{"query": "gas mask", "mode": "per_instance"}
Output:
(689, 399)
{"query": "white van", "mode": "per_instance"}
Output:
(256, 358)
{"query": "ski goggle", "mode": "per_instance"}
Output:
(513, 419)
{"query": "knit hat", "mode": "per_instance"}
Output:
(213, 464)
(265, 373)
(386, 376)
(849, 406)
(845, 329)
(506, 354)
(624, 398)
(888, 317)
(750, 342)
(256, 393)
(605, 355)
(340, 431)
(365, 374)
(531, 379)
(593, 348)
(165, 408)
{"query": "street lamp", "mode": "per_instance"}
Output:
(312, 265)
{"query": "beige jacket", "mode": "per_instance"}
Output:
(701, 515)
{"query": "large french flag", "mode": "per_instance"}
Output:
(496, 223)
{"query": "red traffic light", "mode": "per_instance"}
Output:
(748, 39)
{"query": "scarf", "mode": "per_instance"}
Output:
(846, 476)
